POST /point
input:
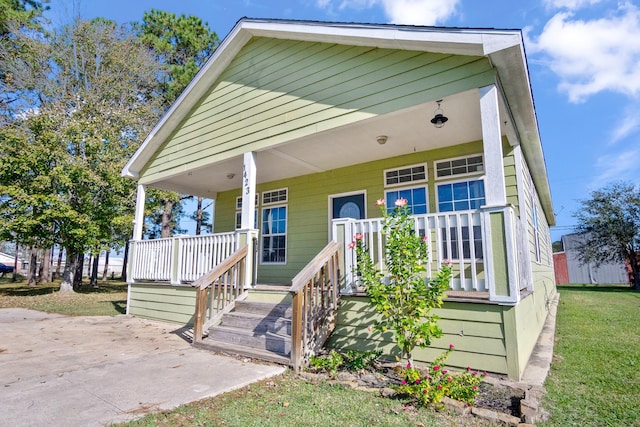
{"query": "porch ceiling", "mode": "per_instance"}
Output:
(408, 131)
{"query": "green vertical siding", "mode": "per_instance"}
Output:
(278, 90)
(475, 330)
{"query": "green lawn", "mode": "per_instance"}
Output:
(109, 298)
(594, 379)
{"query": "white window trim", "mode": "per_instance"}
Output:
(455, 181)
(286, 235)
(278, 202)
(239, 202)
(401, 184)
(239, 210)
(461, 175)
(412, 187)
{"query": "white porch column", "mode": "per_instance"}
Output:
(248, 191)
(138, 222)
(495, 192)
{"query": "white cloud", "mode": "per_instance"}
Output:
(596, 55)
(569, 4)
(628, 125)
(622, 166)
(409, 12)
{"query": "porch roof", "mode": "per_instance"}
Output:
(504, 49)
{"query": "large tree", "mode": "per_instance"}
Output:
(183, 43)
(93, 90)
(610, 224)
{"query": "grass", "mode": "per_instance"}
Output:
(109, 298)
(290, 401)
(594, 379)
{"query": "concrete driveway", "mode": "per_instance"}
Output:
(91, 371)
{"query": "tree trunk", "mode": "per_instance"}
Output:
(199, 217)
(59, 264)
(635, 271)
(78, 270)
(45, 267)
(125, 262)
(33, 266)
(167, 216)
(14, 276)
(105, 272)
(66, 285)
(93, 282)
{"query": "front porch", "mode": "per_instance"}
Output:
(486, 247)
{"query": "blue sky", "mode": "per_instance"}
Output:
(584, 65)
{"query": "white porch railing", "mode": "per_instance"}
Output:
(179, 259)
(453, 236)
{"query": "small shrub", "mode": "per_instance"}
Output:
(430, 386)
(357, 360)
(327, 362)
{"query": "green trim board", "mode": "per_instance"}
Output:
(274, 91)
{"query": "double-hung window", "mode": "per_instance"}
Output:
(416, 197)
(274, 227)
(239, 212)
(461, 195)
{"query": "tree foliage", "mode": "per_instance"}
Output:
(183, 43)
(610, 224)
(403, 296)
(91, 98)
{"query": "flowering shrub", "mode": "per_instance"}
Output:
(402, 294)
(431, 385)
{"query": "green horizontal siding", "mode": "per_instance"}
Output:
(475, 330)
(308, 209)
(278, 90)
(167, 303)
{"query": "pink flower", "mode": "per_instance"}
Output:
(449, 379)
(369, 328)
(468, 368)
(401, 202)
(424, 238)
(352, 245)
(444, 371)
(447, 261)
(439, 387)
(475, 373)
(404, 383)
(425, 391)
(436, 368)
(380, 202)
(358, 236)
(418, 381)
(408, 365)
(484, 374)
(475, 387)
(450, 346)
(426, 377)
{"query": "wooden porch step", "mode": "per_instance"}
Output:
(264, 308)
(271, 288)
(236, 350)
(257, 323)
(276, 343)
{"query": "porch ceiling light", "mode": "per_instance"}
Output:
(439, 119)
(382, 139)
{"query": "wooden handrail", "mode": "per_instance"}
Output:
(206, 280)
(309, 270)
(228, 288)
(315, 298)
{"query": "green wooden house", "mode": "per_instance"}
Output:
(295, 129)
